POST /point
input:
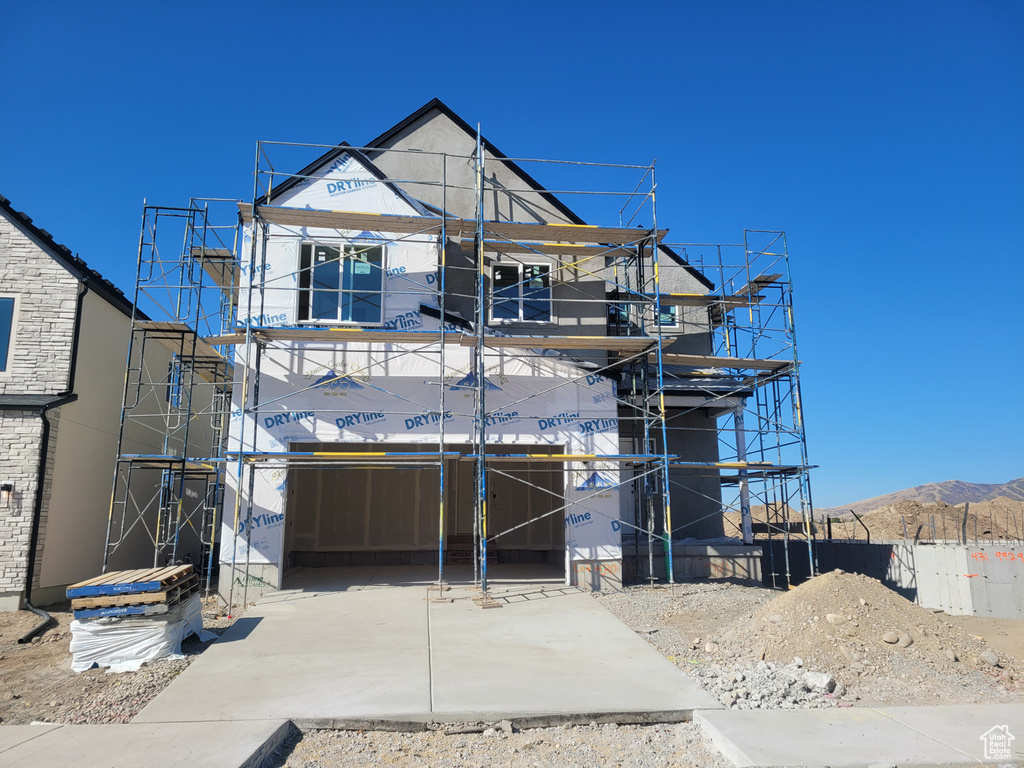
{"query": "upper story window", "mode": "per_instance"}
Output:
(619, 314)
(669, 317)
(341, 283)
(521, 292)
(6, 330)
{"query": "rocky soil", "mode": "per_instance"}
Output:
(484, 745)
(37, 684)
(838, 640)
(999, 520)
(996, 521)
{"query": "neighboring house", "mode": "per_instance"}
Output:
(63, 340)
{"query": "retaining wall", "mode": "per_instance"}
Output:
(983, 580)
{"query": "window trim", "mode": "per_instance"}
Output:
(341, 245)
(8, 363)
(676, 318)
(520, 299)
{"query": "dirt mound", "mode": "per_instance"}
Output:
(872, 640)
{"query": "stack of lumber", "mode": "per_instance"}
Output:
(145, 592)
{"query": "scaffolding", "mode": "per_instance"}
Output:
(698, 342)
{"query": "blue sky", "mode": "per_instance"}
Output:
(885, 138)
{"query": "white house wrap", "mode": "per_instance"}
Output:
(367, 396)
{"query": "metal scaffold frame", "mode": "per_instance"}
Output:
(211, 299)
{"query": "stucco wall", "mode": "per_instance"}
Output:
(85, 450)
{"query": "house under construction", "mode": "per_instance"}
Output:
(410, 352)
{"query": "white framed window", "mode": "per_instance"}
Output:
(341, 283)
(7, 314)
(669, 317)
(521, 293)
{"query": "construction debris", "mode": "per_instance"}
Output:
(126, 618)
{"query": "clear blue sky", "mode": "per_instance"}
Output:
(885, 138)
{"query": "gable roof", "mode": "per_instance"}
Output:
(71, 262)
(344, 148)
(444, 109)
(436, 104)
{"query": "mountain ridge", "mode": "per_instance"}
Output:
(950, 492)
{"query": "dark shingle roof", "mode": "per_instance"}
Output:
(76, 266)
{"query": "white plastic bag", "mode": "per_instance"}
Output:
(125, 643)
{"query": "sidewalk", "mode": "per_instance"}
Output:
(855, 737)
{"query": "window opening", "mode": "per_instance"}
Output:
(341, 283)
(6, 327)
(521, 292)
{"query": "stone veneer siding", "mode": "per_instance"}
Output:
(47, 297)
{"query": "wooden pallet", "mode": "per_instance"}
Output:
(179, 596)
(128, 582)
(166, 595)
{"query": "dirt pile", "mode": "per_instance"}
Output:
(879, 646)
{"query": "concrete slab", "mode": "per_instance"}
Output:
(164, 745)
(347, 644)
(13, 735)
(910, 737)
(554, 650)
(962, 727)
(355, 652)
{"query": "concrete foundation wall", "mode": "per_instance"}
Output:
(985, 580)
(697, 561)
(246, 583)
(598, 575)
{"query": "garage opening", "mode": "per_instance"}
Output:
(388, 515)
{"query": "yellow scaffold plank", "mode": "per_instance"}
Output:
(738, 363)
(351, 220)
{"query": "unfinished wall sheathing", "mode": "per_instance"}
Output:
(354, 336)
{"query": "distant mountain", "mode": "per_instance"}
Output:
(951, 492)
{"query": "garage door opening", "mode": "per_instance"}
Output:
(389, 515)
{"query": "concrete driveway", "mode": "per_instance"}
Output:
(350, 644)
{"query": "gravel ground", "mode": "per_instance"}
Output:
(838, 640)
(826, 643)
(646, 746)
(37, 684)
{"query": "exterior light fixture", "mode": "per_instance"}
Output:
(6, 492)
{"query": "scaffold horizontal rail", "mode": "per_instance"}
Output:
(361, 335)
(757, 284)
(577, 251)
(155, 461)
(738, 363)
(585, 457)
(208, 363)
(706, 300)
(221, 266)
(618, 343)
(353, 220)
(569, 233)
(495, 230)
(359, 456)
(336, 334)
